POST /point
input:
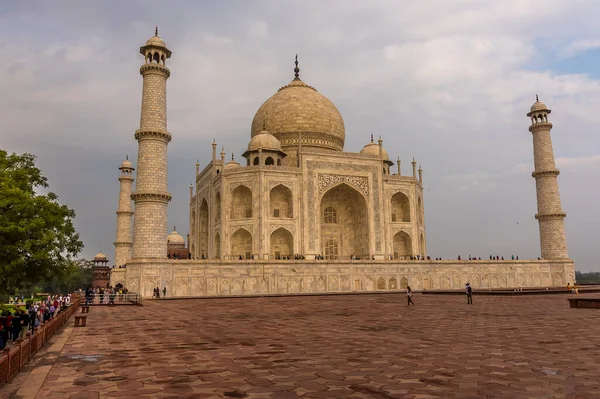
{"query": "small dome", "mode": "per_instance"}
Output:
(538, 106)
(264, 140)
(232, 164)
(126, 164)
(174, 238)
(156, 41)
(373, 149)
(100, 256)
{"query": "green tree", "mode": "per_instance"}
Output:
(76, 275)
(37, 236)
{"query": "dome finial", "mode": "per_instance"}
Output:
(174, 228)
(296, 69)
(371, 137)
(232, 157)
(127, 157)
(156, 31)
(537, 98)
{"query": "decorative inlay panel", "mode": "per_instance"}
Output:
(358, 182)
(396, 229)
(312, 193)
(288, 227)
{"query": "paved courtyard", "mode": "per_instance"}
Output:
(348, 346)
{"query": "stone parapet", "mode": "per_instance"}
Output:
(188, 278)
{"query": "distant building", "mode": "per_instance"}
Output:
(100, 271)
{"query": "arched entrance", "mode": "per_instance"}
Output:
(400, 208)
(280, 202)
(203, 242)
(402, 246)
(241, 203)
(241, 244)
(282, 244)
(344, 223)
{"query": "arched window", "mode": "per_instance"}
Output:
(256, 161)
(331, 249)
(330, 215)
(156, 58)
(269, 161)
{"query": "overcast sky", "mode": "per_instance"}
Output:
(448, 82)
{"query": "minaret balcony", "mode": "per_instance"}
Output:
(543, 173)
(155, 68)
(550, 216)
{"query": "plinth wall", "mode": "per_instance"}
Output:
(189, 278)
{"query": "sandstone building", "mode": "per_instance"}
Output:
(299, 214)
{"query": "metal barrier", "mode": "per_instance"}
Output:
(131, 298)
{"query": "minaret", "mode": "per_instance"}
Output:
(151, 196)
(414, 167)
(124, 214)
(550, 215)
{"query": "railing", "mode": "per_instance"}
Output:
(131, 298)
(13, 359)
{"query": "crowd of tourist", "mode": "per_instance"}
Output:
(102, 295)
(15, 326)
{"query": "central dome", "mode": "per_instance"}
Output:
(296, 108)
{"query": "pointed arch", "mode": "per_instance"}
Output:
(381, 283)
(402, 245)
(218, 207)
(403, 282)
(203, 233)
(241, 244)
(350, 227)
(281, 202)
(400, 207)
(241, 203)
(269, 161)
(282, 244)
(217, 246)
(193, 223)
(420, 211)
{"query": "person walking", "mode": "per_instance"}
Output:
(469, 291)
(409, 296)
(164, 292)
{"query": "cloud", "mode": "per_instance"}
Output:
(580, 46)
(575, 162)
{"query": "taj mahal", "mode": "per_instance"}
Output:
(298, 214)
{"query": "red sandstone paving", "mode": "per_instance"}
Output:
(354, 346)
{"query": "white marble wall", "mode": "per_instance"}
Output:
(187, 278)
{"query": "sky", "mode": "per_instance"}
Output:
(447, 82)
